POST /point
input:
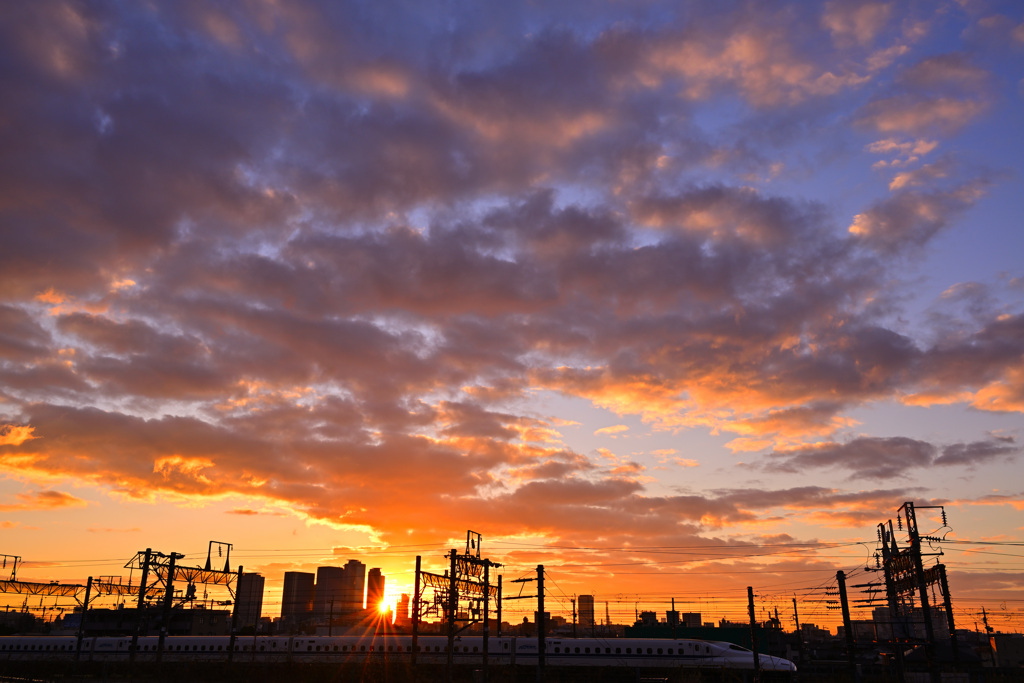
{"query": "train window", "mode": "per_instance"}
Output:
(203, 647)
(669, 651)
(587, 650)
(219, 648)
(506, 646)
(649, 651)
(474, 648)
(362, 648)
(344, 648)
(707, 649)
(317, 648)
(577, 650)
(437, 648)
(659, 650)
(618, 650)
(335, 648)
(629, 650)
(262, 648)
(607, 650)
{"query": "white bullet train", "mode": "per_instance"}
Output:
(468, 651)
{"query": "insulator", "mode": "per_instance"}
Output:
(879, 530)
(899, 522)
(944, 517)
(878, 561)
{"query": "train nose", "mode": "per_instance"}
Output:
(786, 665)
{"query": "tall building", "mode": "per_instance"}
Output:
(330, 592)
(354, 586)
(374, 589)
(297, 598)
(402, 613)
(249, 599)
(340, 590)
(691, 619)
(586, 603)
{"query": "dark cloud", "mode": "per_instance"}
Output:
(22, 338)
(883, 458)
(978, 453)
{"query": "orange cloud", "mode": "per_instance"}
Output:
(1005, 395)
(51, 296)
(903, 114)
(44, 500)
(759, 61)
(15, 435)
(611, 431)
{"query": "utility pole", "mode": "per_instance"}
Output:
(922, 586)
(847, 624)
(541, 623)
(81, 623)
(573, 616)
(453, 604)
(142, 603)
(234, 620)
(799, 635)
(753, 633)
(416, 613)
(487, 621)
(948, 604)
(887, 537)
(991, 637)
(168, 600)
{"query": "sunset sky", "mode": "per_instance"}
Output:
(673, 298)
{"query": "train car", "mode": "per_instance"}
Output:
(645, 653)
(635, 653)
